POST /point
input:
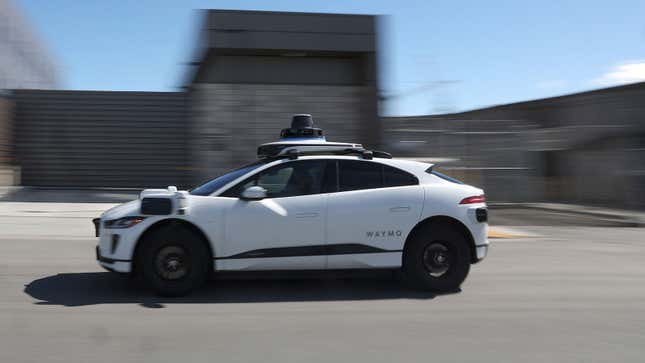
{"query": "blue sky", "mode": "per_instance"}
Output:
(437, 56)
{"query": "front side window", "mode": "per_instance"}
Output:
(286, 180)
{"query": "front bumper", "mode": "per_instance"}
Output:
(114, 250)
(97, 226)
(481, 251)
(111, 264)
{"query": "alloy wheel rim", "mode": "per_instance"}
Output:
(437, 259)
(172, 263)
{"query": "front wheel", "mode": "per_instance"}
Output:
(175, 262)
(436, 258)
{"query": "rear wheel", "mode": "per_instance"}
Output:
(174, 261)
(436, 258)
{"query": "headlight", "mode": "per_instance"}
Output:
(125, 222)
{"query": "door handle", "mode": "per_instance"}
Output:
(307, 215)
(399, 209)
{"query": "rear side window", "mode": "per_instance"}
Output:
(393, 177)
(446, 177)
(357, 175)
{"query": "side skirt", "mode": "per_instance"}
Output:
(389, 272)
(313, 250)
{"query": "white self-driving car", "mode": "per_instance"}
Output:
(306, 204)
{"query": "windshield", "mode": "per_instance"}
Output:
(210, 187)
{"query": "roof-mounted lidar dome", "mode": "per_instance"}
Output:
(302, 128)
(302, 138)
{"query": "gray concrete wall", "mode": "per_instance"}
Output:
(229, 121)
(289, 31)
(616, 107)
(275, 69)
(490, 154)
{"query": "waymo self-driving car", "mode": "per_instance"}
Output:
(305, 204)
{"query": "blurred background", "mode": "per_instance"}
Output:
(534, 104)
(541, 103)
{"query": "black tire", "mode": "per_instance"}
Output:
(436, 258)
(174, 261)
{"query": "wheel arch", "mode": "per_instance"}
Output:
(174, 223)
(450, 221)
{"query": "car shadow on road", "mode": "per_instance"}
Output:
(91, 288)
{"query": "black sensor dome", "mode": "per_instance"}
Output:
(302, 121)
(302, 127)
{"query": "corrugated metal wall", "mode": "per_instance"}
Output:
(5, 131)
(101, 139)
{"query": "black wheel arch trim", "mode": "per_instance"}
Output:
(451, 221)
(180, 223)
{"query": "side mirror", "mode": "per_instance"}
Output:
(254, 193)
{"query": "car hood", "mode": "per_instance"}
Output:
(123, 210)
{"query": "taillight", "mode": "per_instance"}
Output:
(474, 199)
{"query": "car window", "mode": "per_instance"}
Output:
(445, 177)
(286, 180)
(275, 181)
(212, 186)
(356, 175)
(393, 177)
(330, 178)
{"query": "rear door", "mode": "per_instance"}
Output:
(370, 216)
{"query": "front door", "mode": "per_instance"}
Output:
(284, 231)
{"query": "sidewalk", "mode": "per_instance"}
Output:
(53, 210)
(619, 217)
(67, 195)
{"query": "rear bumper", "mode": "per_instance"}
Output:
(111, 264)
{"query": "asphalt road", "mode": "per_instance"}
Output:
(571, 294)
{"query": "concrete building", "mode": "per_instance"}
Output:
(258, 68)
(586, 148)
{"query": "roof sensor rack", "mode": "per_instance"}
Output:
(302, 138)
(293, 152)
(381, 154)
